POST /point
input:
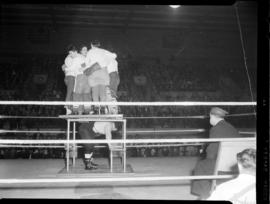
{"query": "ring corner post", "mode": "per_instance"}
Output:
(124, 136)
(74, 144)
(67, 152)
(111, 160)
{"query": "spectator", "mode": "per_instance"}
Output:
(241, 190)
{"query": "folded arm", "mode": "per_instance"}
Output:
(88, 71)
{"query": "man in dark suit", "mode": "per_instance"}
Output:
(205, 166)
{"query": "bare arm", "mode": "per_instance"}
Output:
(64, 67)
(108, 132)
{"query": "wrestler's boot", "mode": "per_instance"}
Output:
(89, 165)
(88, 110)
(103, 110)
(94, 164)
(96, 110)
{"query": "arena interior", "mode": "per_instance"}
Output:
(168, 57)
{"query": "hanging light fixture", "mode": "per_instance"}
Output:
(174, 6)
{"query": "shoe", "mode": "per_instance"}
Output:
(103, 110)
(96, 110)
(88, 112)
(92, 163)
(95, 165)
(88, 165)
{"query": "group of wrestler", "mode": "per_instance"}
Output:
(91, 75)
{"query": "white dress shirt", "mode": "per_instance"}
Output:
(112, 66)
(227, 190)
(104, 128)
(100, 56)
(74, 65)
(68, 63)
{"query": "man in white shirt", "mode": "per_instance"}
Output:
(241, 190)
(97, 61)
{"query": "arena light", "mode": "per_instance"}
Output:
(174, 6)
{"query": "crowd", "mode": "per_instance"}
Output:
(159, 77)
(11, 76)
(57, 153)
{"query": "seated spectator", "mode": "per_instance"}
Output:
(241, 190)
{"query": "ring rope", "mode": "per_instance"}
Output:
(173, 103)
(131, 131)
(196, 140)
(128, 131)
(128, 117)
(180, 117)
(98, 146)
(43, 146)
(26, 117)
(111, 179)
(244, 53)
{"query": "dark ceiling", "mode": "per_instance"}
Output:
(128, 16)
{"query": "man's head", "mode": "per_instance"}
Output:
(95, 43)
(216, 115)
(72, 50)
(83, 50)
(247, 161)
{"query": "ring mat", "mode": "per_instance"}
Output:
(102, 168)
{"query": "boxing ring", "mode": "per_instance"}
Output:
(113, 178)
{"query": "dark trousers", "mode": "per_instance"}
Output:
(202, 188)
(86, 132)
(114, 82)
(70, 82)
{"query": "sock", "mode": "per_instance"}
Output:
(88, 156)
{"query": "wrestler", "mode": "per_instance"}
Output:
(69, 75)
(82, 90)
(74, 64)
(114, 75)
(97, 60)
